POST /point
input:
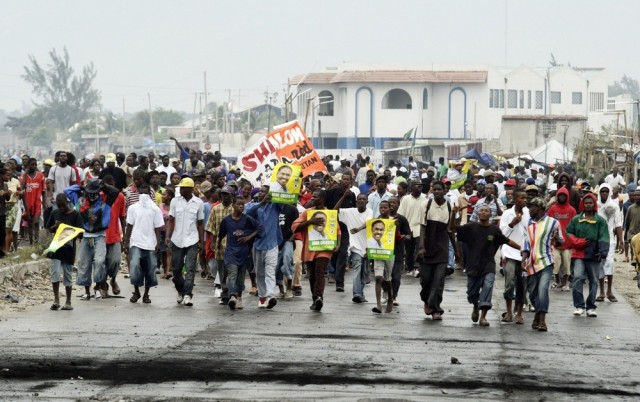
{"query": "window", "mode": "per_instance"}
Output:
(528, 99)
(521, 99)
(548, 128)
(611, 104)
(596, 101)
(501, 98)
(425, 99)
(576, 98)
(496, 98)
(538, 99)
(326, 102)
(396, 99)
(512, 99)
(556, 97)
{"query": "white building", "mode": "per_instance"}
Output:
(451, 106)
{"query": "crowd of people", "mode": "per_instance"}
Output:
(151, 217)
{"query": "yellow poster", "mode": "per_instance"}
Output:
(285, 183)
(381, 236)
(323, 232)
(64, 234)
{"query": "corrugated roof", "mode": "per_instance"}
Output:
(392, 76)
(554, 117)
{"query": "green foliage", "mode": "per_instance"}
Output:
(42, 136)
(626, 85)
(140, 124)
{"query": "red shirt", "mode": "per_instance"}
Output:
(118, 210)
(33, 188)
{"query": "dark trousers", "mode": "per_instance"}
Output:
(432, 282)
(184, 257)
(410, 253)
(3, 234)
(396, 277)
(316, 269)
(339, 261)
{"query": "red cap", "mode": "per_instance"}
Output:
(510, 182)
(446, 180)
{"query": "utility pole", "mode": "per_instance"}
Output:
(153, 135)
(97, 133)
(193, 116)
(124, 127)
(206, 106)
(231, 112)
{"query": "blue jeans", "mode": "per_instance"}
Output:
(583, 270)
(112, 261)
(235, 279)
(452, 256)
(538, 287)
(358, 264)
(93, 253)
(142, 264)
(285, 263)
(479, 290)
(339, 261)
(184, 257)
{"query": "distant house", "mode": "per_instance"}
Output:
(449, 106)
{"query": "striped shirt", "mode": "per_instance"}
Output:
(538, 243)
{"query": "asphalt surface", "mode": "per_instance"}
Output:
(114, 350)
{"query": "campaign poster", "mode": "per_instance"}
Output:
(64, 235)
(323, 236)
(381, 235)
(285, 184)
(288, 144)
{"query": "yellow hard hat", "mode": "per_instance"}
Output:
(187, 182)
(48, 162)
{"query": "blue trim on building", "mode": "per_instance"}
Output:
(465, 111)
(371, 138)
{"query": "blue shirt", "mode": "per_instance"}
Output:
(365, 187)
(268, 216)
(237, 253)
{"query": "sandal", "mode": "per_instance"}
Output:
(135, 298)
(168, 276)
(542, 327)
(519, 320)
(612, 298)
(54, 306)
(67, 307)
(85, 297)
(146, 299)
(600, 298)
(506, 317)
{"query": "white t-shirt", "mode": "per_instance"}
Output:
(62, 177)
(615, 181)
(356, 219)
(145, 217)
(169, 170)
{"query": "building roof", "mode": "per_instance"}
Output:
(537, 117)
(394, 76)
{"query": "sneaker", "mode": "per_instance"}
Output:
(591, 313)
(449, 271)
(288, 295)
(531, 308)
(565, 288)
(475, 315)
(383, 301)
(272, 303)
(555, 285)
(415, 273)
(297, 291)
(280, 295)
(410, 273)
(332, 278)
(179, 299)
(578, 312)
(223, 302)
(239, 304)
(340, 289)
(484, 322)
(313, 306)
(217, 293)
(357, 299)
(98, 295)
(187, 301)
(395, 303)
(232, 303)
(318, 304)
(262, 302)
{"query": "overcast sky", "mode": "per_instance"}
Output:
(163, 47)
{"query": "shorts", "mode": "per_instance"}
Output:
(61, 271)
(11, 215)
(34, 210)
(562, 262)
(383, 269)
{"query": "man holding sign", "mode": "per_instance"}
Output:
(380, 244)
(317, 253)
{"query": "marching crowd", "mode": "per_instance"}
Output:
(155, 216)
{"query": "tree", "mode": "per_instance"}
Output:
(161, 117)
(626, 85)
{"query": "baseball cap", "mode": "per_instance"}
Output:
(187, 182)
(538, 202)
(205, 186)
(93, 186)
(227, 189)
(510, 182)
(489, 172)
(110, 158)
(531, 187)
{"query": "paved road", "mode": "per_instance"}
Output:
(112, 350)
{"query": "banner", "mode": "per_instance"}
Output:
(64, 235)
(285, 184)
(381, 236)
(286, 144)
(459, 177)
(323, 236)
